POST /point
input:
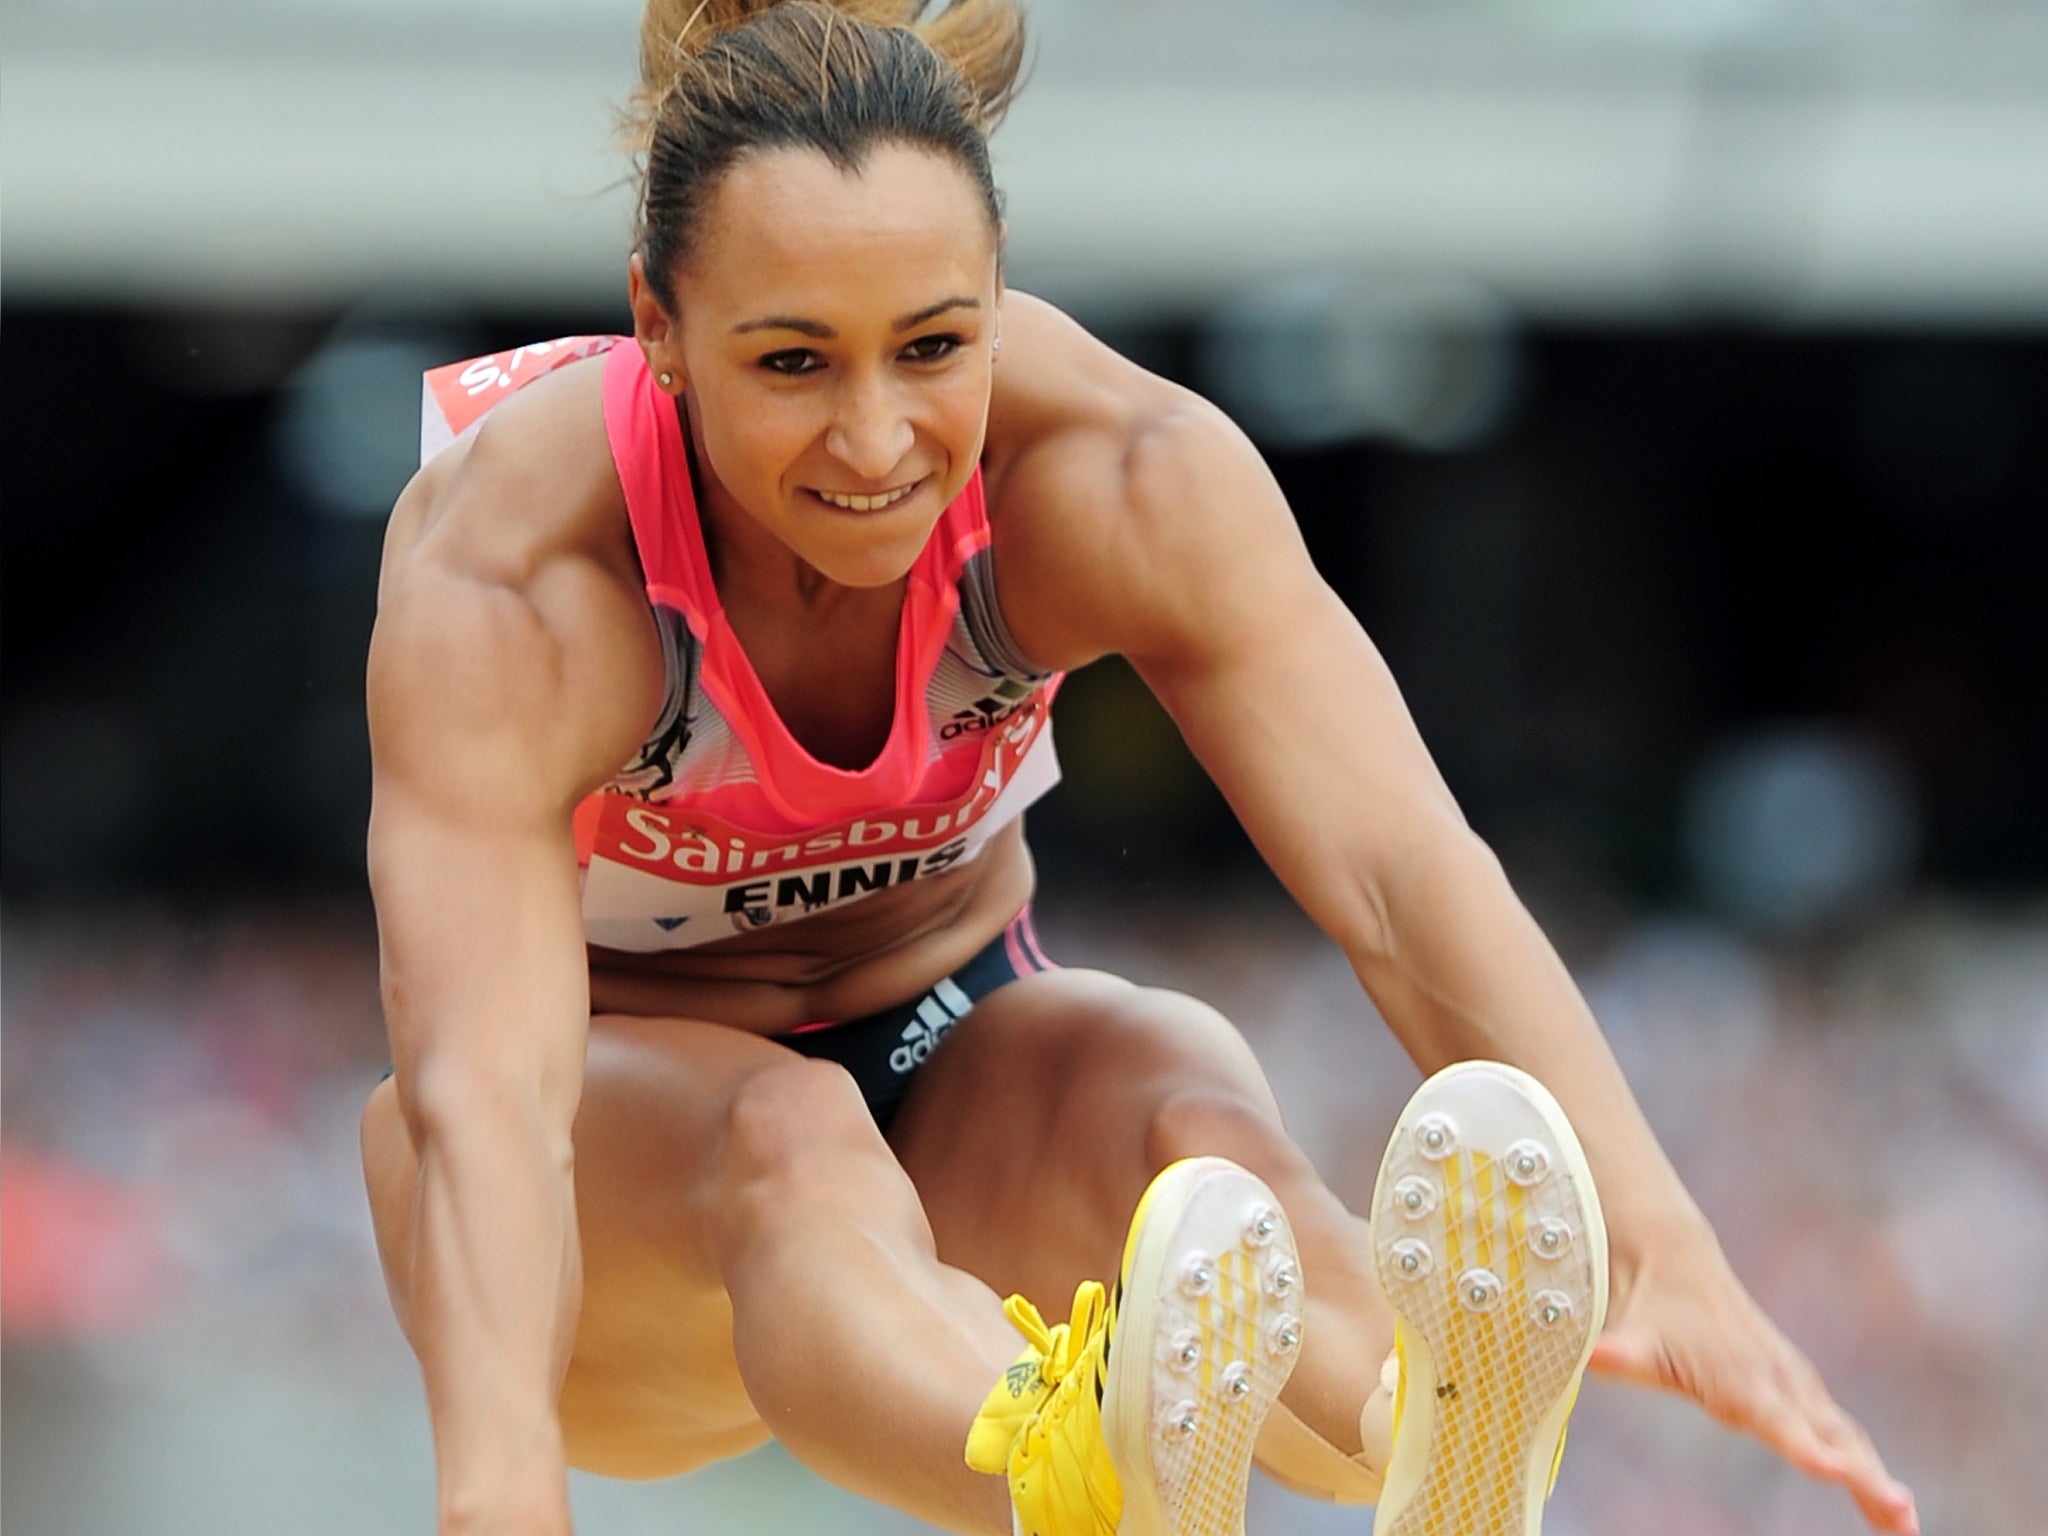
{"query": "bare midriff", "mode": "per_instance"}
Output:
(836, 965)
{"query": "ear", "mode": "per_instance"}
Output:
(659, 336)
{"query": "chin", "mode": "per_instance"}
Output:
(866, 568)
(872, 554)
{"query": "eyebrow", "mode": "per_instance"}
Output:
(824, 332)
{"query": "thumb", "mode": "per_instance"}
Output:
(1629, 1356)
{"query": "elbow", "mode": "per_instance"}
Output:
(447, 1098)
(1404, 888)
(1366, 929)
(437, 1099)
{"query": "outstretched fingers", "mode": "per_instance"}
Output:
(1822, 1440)
(1764, 1386)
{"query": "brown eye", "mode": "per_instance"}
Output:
(930, 349)
(792, 362)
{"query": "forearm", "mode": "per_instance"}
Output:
(1460, 970)
(496, 1289)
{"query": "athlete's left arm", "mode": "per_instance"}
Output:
(1195, 571)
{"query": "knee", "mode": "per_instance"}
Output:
(1210, 1121)
(794, 1131)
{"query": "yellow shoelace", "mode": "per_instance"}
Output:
(1060, 1347)
(1061, 1478)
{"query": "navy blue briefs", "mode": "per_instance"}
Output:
(884, 1050)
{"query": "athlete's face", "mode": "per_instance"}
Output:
(834, 334)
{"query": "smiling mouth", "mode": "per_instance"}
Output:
(866, 503)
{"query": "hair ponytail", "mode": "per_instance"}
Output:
(982, 39)
(720, 79)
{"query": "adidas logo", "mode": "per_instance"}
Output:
(937, 1012)
(984, 714)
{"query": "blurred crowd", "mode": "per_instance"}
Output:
(196, 1338)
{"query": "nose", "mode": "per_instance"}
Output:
(870, 432)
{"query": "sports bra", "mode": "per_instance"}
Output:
(722, 822)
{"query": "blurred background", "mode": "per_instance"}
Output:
(1663, 382)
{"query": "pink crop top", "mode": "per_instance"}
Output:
(722, 822)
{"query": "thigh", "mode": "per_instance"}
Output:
(1032, 1132)
(652, 1387)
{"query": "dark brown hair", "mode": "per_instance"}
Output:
(722, 79)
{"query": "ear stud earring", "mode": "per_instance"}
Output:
(666, 379)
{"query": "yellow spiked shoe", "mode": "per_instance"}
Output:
(1488, 1240)
(1139, 1414)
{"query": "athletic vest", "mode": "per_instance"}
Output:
(722, 822)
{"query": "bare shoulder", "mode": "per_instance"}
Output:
(1120, 500)
(1057, 380)
(512, 636)
(533, 480)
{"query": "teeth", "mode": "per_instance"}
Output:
(866, 503)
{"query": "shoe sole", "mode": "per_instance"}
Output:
(1489, 1244)
(1208, 1327)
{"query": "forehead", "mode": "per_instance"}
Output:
(790, 232)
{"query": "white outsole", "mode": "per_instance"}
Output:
(1488, 1240)
(1212, 1264)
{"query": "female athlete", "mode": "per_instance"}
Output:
(732, 1090)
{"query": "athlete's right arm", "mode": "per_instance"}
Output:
(495, 703)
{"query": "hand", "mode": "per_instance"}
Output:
(1681, 1320)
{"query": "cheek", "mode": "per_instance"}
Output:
(962, 415)
(756, 442)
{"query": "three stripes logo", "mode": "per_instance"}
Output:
(984, 714)
(937, 1012)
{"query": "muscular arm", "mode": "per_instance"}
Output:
(1194, 570)
(1205, 586)
(485, 730)
(1290, 706)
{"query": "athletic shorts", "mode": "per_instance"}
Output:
(884, 1050)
